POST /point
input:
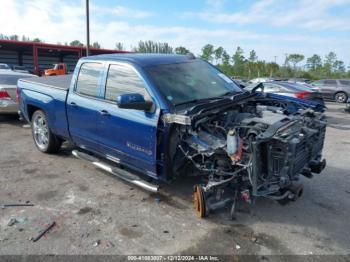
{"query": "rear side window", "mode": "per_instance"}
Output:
(122, 79)
(88, 79)
(345, 82)
(330, 82)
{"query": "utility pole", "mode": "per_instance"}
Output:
(87, 29)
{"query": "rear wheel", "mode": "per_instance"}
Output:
(341, 97)
(44, 139)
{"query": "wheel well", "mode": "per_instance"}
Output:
(31, 110)
(340, 92)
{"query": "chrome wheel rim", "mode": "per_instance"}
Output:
(40, 132)
(341, 98)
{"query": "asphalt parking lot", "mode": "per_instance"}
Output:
(96, 213)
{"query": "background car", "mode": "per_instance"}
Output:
(260, 80)
(299, 80)
(4, 67)
(334, 89)
(20, 69)
(291, 90)
(8, 86)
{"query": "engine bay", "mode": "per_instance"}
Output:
(258, 148)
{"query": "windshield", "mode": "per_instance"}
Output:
(12, 79)
(186, 82)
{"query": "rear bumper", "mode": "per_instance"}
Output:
(8, 106)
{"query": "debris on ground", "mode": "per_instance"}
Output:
(106, 244)
(43, 232)
(96, 243)
(254, 239)
(12, 222)
(157, 199)
(26, 126)
(238, 247)
(16, 205)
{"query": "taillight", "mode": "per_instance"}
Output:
(3, 94)
(302, 95)
(18, 97)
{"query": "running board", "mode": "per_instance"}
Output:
(122, 174)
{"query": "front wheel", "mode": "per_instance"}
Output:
(341, 97)
(44, 139)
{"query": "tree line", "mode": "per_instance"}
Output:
(238, 64)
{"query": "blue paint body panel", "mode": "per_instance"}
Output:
(132, 137)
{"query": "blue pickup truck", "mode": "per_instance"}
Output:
(152, 118)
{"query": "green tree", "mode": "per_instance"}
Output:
(252, 56)
(76, 43)
(96, 45)
(251, 62)
(207, 52)
(25, 39)
(180, 50)
(339, 66)
(225, 58)
(238, 62)
(119, 46)
(218, 54)
(328, 66)
(153, 47)
(271, 68)
(295, 59)
(314, 62)
(225, 65)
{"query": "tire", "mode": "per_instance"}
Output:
(341, 97)
(44, 139)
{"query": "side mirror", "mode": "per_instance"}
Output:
(134, 101)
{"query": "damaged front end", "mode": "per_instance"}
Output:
(256, 147)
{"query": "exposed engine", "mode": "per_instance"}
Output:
(253, 149)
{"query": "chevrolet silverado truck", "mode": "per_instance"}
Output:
(149, 119)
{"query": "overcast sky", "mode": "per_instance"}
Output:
(271, 27)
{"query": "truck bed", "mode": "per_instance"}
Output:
(48, 94)
(58, 82)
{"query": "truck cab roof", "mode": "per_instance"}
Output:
(142, 60)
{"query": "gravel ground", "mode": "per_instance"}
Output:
(96, 213)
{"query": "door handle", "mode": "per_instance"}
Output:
(104, 112)
(73, 104)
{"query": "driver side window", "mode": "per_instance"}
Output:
(122, 79)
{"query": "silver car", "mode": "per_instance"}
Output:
(8, 85)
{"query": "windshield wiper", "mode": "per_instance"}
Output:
(231, 93)
(223, 96)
